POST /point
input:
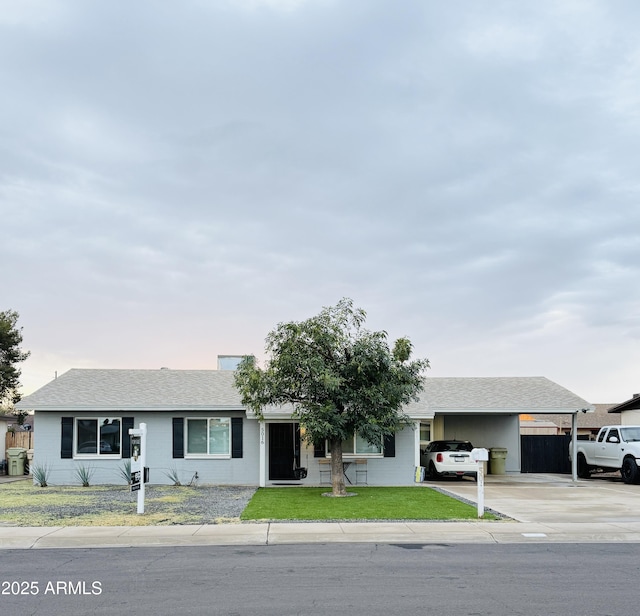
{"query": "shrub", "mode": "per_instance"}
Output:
(125, 471)
(174, 476)
(84, 475)
(40, 474)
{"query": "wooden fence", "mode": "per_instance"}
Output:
(18, 439)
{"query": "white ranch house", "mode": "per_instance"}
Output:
(197, 424)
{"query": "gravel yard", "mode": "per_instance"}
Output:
(26, 505)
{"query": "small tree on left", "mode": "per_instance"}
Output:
(10, 355)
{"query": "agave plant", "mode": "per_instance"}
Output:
(84, 475)
(40, 474)
(174, 476)
(125, 471)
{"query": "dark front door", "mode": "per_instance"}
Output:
(284, 450)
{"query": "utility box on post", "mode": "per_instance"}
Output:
(480, 456)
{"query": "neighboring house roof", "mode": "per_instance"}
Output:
(174, 390)
(592, 421)
(632, 404)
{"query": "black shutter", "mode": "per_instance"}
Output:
(66, 441)
(236, 437)
(319, 450)
(390, 446)
(127, 422)
(178, 437)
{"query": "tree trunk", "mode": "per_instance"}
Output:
(337, 471)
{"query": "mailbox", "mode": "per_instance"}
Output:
(480, 454)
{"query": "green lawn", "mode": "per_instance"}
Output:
(406, 503)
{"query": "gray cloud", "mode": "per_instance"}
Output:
(174, 181)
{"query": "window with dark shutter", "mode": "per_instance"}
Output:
(390, 446)
(236, 437)
(66, 441)
(127, 423)
(178, 437)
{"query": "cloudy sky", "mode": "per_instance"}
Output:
(178, 177)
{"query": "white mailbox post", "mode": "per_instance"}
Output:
(138, 462)
(480, 455)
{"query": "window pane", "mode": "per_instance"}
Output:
(110, 436)
(87, 436)
(347, 446)
(425, 432)
(631, 434)
(362, 446)
(197, 436)
(219, 436)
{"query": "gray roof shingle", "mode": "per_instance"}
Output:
(517, 394)
(164, 390)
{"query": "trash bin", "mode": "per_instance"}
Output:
(16, 457)
(497, 457)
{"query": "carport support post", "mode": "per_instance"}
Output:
(574, 446)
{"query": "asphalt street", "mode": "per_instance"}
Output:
(324, 579)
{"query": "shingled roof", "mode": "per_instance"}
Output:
(149, 390)
(175, 390)
(501, 394)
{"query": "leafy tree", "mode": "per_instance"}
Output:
(10, 355)
(340, 378)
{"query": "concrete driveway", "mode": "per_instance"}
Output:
(554, 498)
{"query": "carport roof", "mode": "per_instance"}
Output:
(213, 390)
(533, 394)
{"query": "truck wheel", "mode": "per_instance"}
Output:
(583, 468)
(629, 471)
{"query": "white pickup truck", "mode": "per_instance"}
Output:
(616, 448)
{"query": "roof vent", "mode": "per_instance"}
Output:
(164, 368)
(636, 395)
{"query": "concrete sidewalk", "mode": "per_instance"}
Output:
(543, 508)
(332, 532)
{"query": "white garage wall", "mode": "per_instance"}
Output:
(488, 431)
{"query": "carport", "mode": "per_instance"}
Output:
(486, 410)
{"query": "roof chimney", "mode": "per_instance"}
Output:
(229, 362)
